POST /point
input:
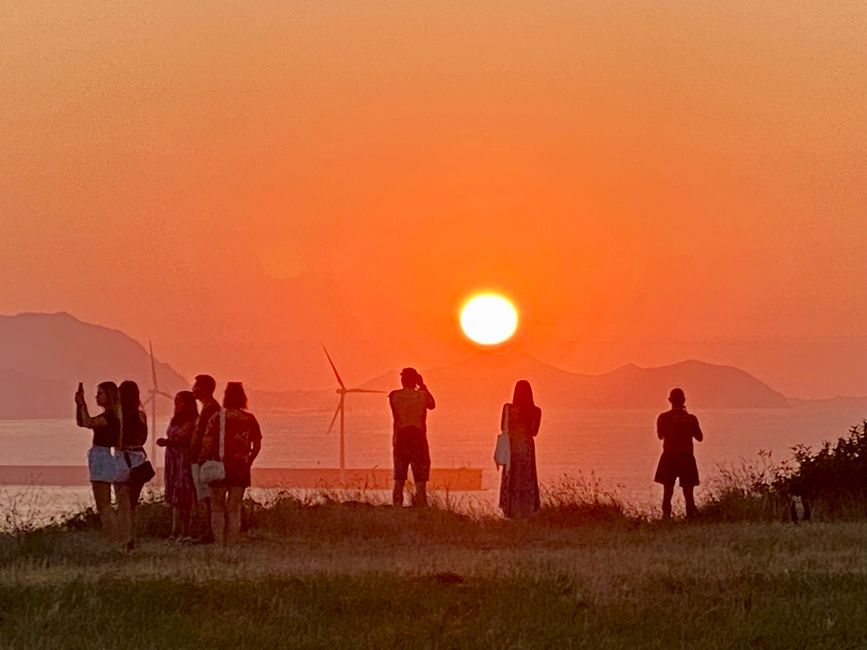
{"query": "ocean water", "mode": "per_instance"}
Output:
(617, 448)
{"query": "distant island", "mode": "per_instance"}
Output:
(44, 356)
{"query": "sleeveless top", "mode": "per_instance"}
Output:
(108, 435)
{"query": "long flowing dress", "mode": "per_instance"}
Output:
(180, 490)
(519, 488)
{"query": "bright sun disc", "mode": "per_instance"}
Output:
(489, 319)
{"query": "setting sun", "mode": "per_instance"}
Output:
(489, 319)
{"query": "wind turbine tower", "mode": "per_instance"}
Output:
(343, 391)
(152, 400)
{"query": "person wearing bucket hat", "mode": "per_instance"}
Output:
(677, 429)
(409, 407)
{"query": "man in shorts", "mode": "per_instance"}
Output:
(203, 390)
(677, 428)
(409, 407)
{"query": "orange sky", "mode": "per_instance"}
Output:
(647, 183)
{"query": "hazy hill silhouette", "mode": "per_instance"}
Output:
(44, 356)
(487, 379)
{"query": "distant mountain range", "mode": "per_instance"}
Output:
(44, 356)
(489, 377)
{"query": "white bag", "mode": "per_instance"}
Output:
(214, 470)
(502, 452)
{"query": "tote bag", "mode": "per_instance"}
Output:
(502, 450)
(214, 470)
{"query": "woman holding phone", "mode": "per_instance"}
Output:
(101, 464)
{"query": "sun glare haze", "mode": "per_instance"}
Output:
(489, 319)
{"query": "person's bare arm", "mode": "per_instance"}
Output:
(697, 434)
(431, 402)
(257, 441)
(84, 420)
(660, 430)
(537, 420)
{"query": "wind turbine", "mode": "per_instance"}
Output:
(343, 391)
(152, 400)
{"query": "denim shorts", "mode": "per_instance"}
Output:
(101, 464)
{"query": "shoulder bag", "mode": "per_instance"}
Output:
(215, 470)
(502, 450)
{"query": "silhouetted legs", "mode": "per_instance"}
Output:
(688, 497)
(180, 522)
(102, 497)
(124, 516)
(667, 494)
(226, 514)
(397, 493)
(420, 498)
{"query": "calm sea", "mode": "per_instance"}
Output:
(617, 447)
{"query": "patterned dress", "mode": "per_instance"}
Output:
(180, 491)
(519, 488)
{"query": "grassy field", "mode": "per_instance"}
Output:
(362, 576)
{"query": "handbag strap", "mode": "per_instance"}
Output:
(222, 432)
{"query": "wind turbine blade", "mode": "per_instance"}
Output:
(365, 390)
(164, 394)
(334, 419)
(153, 366)
(334, 368)
(148, 401)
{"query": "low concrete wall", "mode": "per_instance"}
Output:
(461, 479)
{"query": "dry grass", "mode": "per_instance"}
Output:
(321, 573)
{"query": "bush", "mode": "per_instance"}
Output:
(833, 479)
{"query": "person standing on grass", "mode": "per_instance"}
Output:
(133, 435)
(519, 486)
(180, 490)
(101, 464)
(677, 429)
(242, 441)
(409, 407)
(203, 390)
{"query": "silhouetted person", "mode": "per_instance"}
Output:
(203, 390)
(179, 488)
(519, 487)
(101, 464)
(133, 435)
(409, 407)
(677, 428)
(242, 440)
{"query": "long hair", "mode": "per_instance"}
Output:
(523, 395)
(235, 397)
(113, 395)
(186, 409)
(130, 397)
(130, 422)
